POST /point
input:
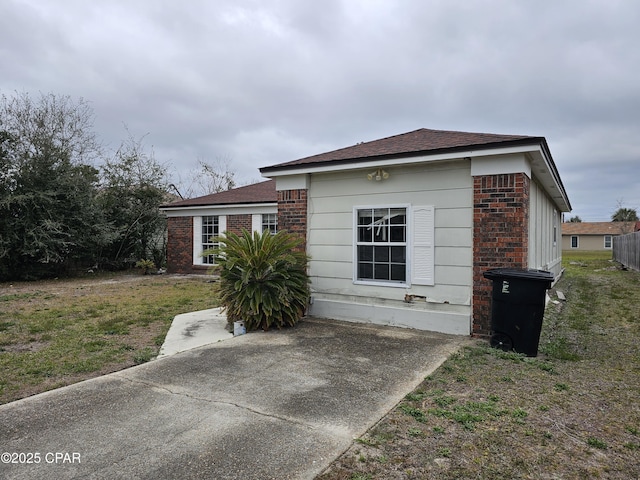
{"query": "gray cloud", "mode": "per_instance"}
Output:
(265, 82)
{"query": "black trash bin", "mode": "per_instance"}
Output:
(517, 308)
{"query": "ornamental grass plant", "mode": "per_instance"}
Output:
(263, 279)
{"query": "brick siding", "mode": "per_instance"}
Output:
(292, 212)
(180, 244)
(500, 236)
(180, 247)
(237, 223)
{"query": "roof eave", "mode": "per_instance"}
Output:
(449, 152)
(199, 206)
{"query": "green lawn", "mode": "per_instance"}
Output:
(573, 412)
(57, 332)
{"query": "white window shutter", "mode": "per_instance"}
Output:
(256, 223)
(422, 258)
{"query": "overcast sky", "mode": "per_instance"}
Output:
(263, 82)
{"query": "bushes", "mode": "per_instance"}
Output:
(263, 279)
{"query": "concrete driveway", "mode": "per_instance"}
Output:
(281, 404)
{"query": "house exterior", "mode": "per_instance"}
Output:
(593, 236)
(192, 223)
(400, 230)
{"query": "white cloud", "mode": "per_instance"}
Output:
(263, 82)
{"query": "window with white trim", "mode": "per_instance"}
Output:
(210, 230)
(270, 222)
(608, 241)
(381, 244)
(574, 241)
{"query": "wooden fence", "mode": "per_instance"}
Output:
(626, 250)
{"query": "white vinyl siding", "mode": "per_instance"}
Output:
(545, 252)
(447, 189)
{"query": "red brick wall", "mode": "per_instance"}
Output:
(500, 236)
(292, 212)
(180, 247)
(236, 223)
(179, 244)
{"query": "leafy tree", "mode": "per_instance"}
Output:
(263, 279)
(48, 218)
(134, 186)
(625, 215)
(575, 219)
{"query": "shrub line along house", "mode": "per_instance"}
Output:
(400, 230)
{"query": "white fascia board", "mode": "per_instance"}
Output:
(239, 209)
(400, 161)
(500, 164)
(292, 182)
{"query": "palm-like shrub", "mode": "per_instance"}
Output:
(263, 279)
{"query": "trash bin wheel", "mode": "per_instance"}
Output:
(501, 341)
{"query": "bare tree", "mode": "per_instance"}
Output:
(134, 186)
(50, 123)
(211, 177)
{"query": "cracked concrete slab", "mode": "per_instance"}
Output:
(279, 404)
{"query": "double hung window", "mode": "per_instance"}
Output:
(270, 222)
(381, 244)
(210, 230)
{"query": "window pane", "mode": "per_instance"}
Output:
(398, 254)
(365, 271)
(364, 217)
(365, 253)
(381, 254)
(398, 233)
(365, 234)
(381, 232)
(381, 272)
(398, 216)
(398, 273)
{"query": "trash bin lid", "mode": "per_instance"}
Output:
(519, 274)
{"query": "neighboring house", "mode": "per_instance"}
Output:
(193, 223)
(593, 235)
(400, 230)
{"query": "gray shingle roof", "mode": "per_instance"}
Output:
(263, 192)
(409, 144)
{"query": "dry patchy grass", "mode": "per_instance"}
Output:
(570, 413)
(54, 333)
